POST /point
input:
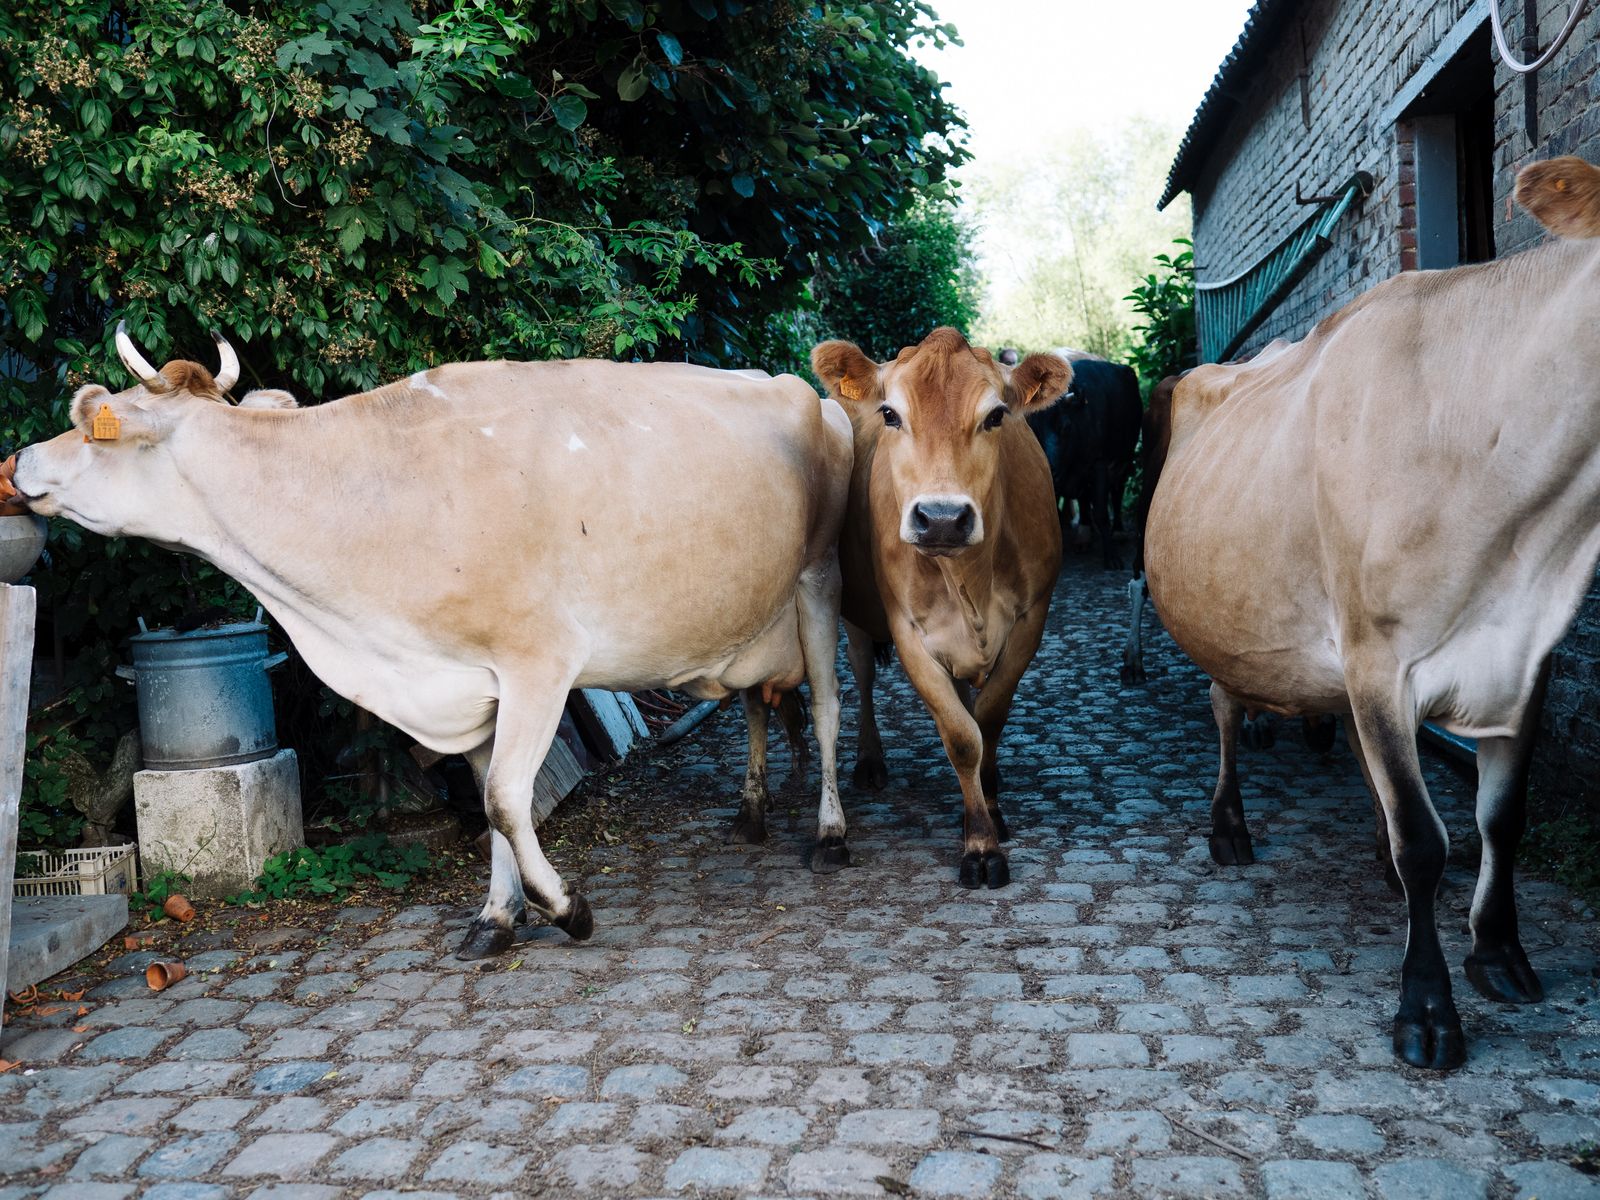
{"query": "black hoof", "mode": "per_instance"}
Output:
(748, 829)
(870, 773)
(1320, 733)
(984, 868)
(1258, 734)
(485, 940)
(1506, 976)
(1433, 1042)
(1232, 850)
(578, 924)
(1133, 674)
(830, 854)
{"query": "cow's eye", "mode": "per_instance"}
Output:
(996, 415)
(891, 419)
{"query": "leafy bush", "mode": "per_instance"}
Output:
(333, 870)
(1165, 300)
(157, 889)
(354, 189)
(920, 275)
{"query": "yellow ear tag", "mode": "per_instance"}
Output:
(849, 389)
(105, 426)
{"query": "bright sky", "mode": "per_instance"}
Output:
(1029, 68)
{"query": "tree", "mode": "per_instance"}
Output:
(1064, 232)
(354, 189)
(920, 275)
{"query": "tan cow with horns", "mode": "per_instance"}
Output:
(456, 550)
(1395, 520)
(951, 549)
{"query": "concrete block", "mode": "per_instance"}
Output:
(50, 933)
(218, 825)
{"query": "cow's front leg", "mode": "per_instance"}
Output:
(1230, 835)
(993, 704)
(750, 823)
(818, 609)
(1380, 821)
(491, 931)
(1498, 966)
(983, 863)
(1427, 1027)
(870, 772)
(525, 725)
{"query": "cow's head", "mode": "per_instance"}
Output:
(1563, 194)
(109, 472)
(943, 404)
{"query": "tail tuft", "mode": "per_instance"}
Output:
(883, 653)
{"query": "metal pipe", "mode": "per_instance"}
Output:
(686, 723)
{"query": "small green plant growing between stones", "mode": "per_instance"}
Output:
(333, 871)
(157, 889)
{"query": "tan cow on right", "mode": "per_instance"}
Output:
(950, 547)
(1395, 520)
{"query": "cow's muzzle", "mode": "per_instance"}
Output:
(12, 502)
(941, 525)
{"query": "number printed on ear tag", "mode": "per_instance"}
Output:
(105, 426)
(849, 389)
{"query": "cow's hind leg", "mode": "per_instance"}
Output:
(750, 822)
(491, 931)
(1380, 821)
(1230, 835)
(1498, 966)
(1427, 1028)
(529, 711)
(1133, 649)
(818, 600)
(870, 772)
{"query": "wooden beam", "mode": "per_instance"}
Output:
(17, 605)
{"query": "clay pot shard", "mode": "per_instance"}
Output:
(178, 908)
(162, 975)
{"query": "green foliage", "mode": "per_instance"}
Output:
(157, 889)
(1165, 302)
(46, 818)
(351, 190)
(920, 275)
(1065, 228)
(333, 870)
(1563, 847)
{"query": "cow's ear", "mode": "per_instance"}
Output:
(1037, 382)
(1563, 194)
(268, 398)
(102, 417)
(847, 373)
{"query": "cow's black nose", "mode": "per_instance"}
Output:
(943, 522)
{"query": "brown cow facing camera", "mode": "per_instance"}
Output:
(950, 549)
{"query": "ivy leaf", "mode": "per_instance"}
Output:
(744, 185)
(570, 111)
(670, 46)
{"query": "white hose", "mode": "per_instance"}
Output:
(1510, 60)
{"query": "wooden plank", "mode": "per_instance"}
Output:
(17, 605)
(630, 710)
(602, 719)
(558, 775)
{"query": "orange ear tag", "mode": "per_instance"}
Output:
(105, 426)
(849, 389)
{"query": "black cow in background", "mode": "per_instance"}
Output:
(1090, 438)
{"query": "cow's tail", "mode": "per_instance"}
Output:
(794, 713)
(883, 653)
(1157, 437)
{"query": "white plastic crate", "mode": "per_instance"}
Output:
(91, 871)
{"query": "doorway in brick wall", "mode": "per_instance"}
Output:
(1450, 126)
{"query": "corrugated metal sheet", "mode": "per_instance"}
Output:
(1228, 312)
(1232, 80)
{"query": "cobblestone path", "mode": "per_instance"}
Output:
(1125, 1019)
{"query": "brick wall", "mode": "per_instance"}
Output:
(1360, 54)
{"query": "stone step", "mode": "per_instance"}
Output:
(50, 933)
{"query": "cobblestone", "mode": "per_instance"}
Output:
(738, 1026)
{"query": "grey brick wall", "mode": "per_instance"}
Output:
(1360, 54)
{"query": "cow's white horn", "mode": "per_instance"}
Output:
(133, 360)
(228, 372)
